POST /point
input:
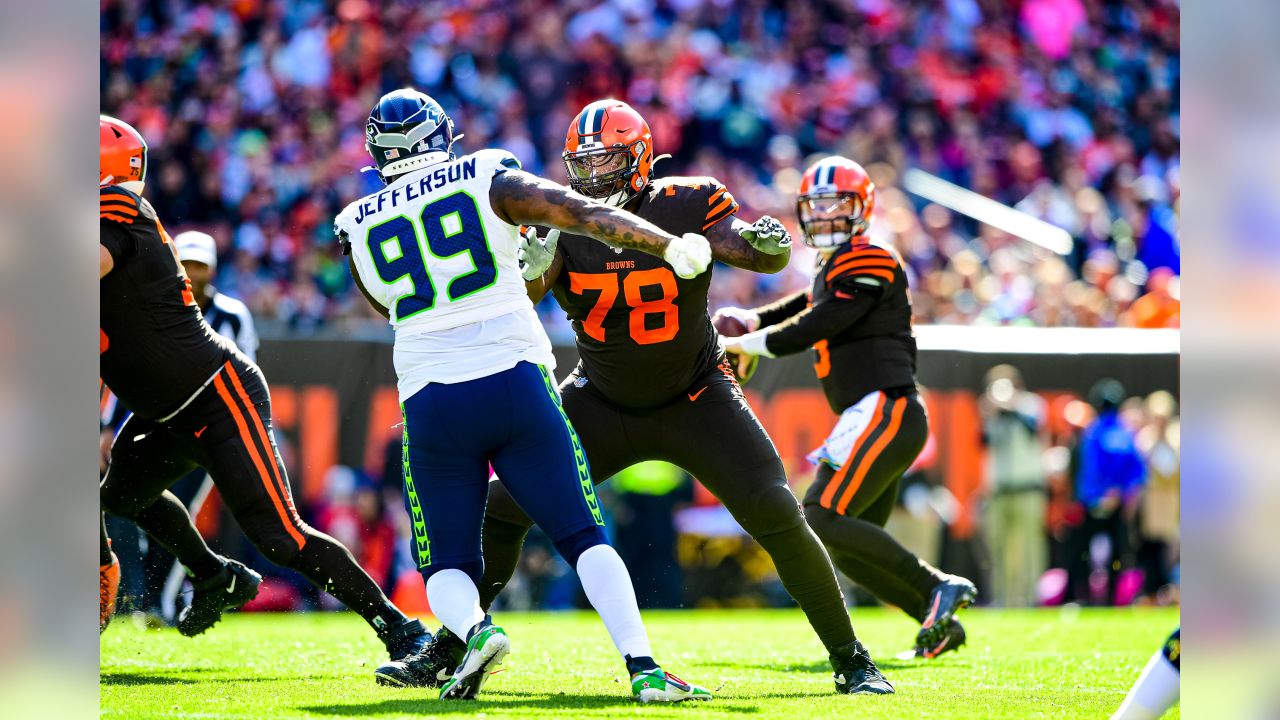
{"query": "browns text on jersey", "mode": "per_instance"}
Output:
(643, 333)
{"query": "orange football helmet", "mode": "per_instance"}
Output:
(836, 200)
(609, 152)
(122, 155)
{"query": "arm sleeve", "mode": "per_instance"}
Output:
(779, 310)
(819, 322)
(720, 205)
(117, 239)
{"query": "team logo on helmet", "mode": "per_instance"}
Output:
(408, 130)
(608, 152)
(835, 204)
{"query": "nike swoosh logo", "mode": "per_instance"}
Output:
(201, 431)
(232, 587)
(694, 396)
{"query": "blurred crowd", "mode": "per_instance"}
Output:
(1067, 109)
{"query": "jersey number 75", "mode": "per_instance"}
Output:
(452, 225)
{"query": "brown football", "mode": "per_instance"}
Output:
(744, 366)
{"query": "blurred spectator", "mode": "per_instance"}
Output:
(1013, 431)
(1069, 109)
(1110, 476)
(1158, 528)
(1161, 306)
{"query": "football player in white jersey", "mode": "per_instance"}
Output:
(436, 252)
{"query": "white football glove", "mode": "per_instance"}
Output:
(766, 235)
(750, 318)
(689, 255)
(536, 253)
(753, 343)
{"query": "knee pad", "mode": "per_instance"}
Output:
(775, 510)
(272, 540)
(473, 568)
(572, 546)
(116, 502)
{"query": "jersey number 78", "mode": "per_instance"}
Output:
(452, 225)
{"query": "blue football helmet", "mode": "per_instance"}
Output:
(408, 130)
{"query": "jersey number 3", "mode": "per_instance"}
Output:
(452, 225)
(606, 284)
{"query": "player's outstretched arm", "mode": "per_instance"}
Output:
(523, 199)
(799, 332)
(763, 246)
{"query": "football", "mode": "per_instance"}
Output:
(744, 366)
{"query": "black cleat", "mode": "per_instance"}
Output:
(408, 638)
(432, 666)
(231, 588)
(951, 638)
(856, 672)
(948, 597)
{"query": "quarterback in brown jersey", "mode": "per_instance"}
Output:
(198, 401)
(653, 381)
(857, 319)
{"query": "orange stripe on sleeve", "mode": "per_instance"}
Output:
(119, 208)
(716, 195)
(116, 218)
(895, 421)
(879, 272)
(253, 455)
(117, 196)
(830, 492)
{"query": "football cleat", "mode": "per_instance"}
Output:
(108, 588)
(659, 686)
(948, 597)
(856, 673)
(405, 639)
(430, 666)
(951, 638)
(231, 588)
(487, 645)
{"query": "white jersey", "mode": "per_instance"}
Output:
(430, 249)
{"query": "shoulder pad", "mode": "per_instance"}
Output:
(500, 160)
(719, 202)
(863, 264)
(118, 204)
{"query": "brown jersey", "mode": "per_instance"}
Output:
(643, 333)
(878, 351)
(155, 349)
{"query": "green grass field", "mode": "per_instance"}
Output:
(767, 664)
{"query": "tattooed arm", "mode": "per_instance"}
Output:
(730, 247)
(523, 199)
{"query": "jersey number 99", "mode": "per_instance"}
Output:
(452, 226)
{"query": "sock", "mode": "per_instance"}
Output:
(640, 664)
(1155, 691)
(104, 545)
(608, 586)
(327, 563)
(454, 600)
(887, 588)
(167, 522)
(501, 544)
(807, 574)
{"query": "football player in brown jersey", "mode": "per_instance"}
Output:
(198, 401)
(653, 382)
(857, 319)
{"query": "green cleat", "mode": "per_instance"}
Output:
(487, 645)
(658, 686)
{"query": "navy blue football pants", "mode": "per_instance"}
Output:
(514, 421)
